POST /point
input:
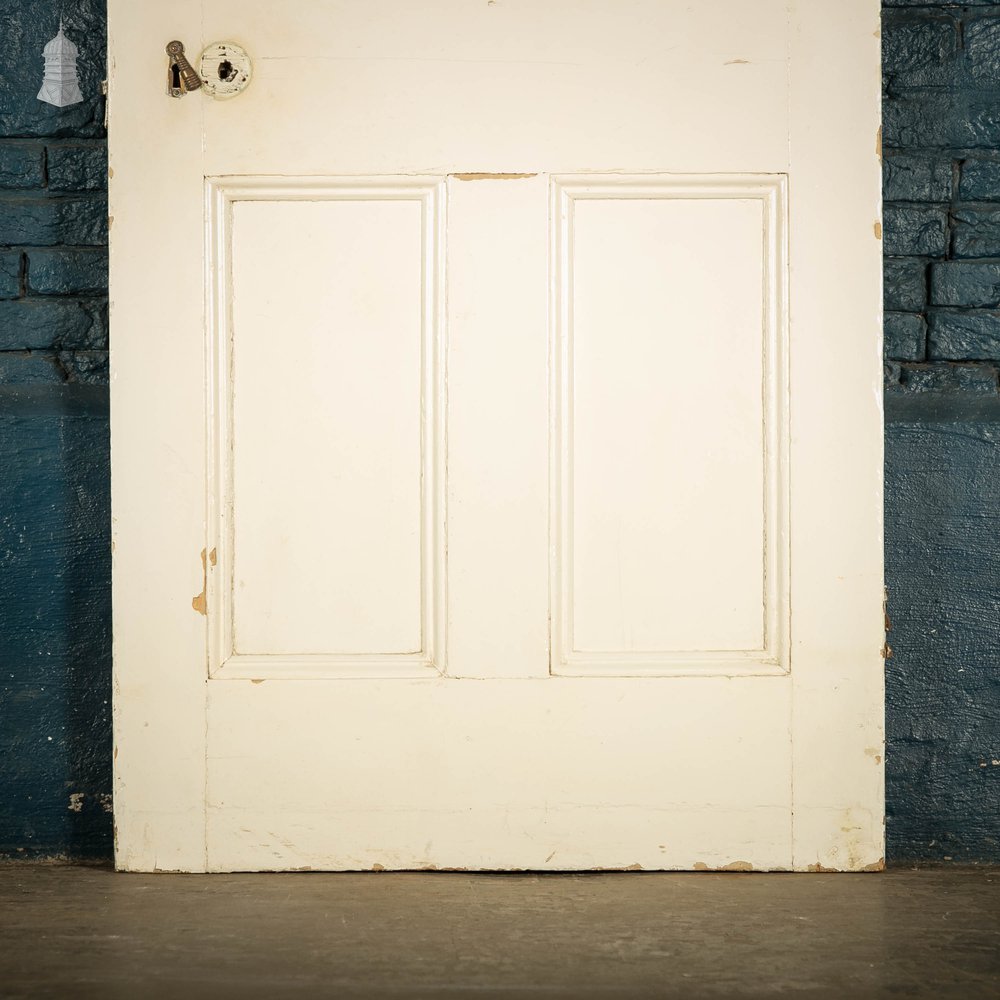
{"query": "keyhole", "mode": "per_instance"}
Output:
(175, 76)
(225, 70)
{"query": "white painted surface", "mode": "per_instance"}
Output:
(485, 385)
(669, 468)
(326, 426)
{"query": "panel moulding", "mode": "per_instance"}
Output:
(224, 662)
(774, 656)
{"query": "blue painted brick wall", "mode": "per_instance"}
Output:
(55, 644)
(941, 156)
(942, 244)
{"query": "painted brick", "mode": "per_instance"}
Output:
(888, 4)
(905, 285)
(980, 180)
(45, 324)
(74, 167)
(905, 337)
(21, 165)
(958, 379)
(68, 272)
(982, 47)
(42, 221)
(919, 120)
(976, 233)
(917, 231)
(916, 178)
(943, 573)
(55, 644)
(29, 369)
(85, 367)
(964, 336)
(965, 283)
(919, 51)
(10, 274)
(943, 119)
(54, 549)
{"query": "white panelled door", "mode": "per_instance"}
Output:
(497, 437)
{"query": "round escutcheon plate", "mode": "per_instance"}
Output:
(225, 69)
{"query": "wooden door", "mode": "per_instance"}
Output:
(497, 437)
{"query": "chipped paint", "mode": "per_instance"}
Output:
(878, 230)
(200, 601)
(878, 144)
(737, 62)
(733, 866)
(76, 802)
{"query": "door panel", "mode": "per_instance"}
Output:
(326, 558)
(327, 523)
(498, 485)
(669, 484)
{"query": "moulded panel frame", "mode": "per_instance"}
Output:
(223, 659)
(774, 656)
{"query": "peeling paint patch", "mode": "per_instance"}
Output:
(200, 601)
(878, 230)
(634, 868)
(76, 802)
(378, 868)
(876, 866)
(737, 866)
(821, 868)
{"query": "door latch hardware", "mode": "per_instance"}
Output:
(181, 75)
(225, 69)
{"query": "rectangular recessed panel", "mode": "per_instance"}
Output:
(327, 437)
(669, 433)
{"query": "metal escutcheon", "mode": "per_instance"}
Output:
(181, 75)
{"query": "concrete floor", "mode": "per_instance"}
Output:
(82, 932)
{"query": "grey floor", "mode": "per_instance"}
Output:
(84, 932)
